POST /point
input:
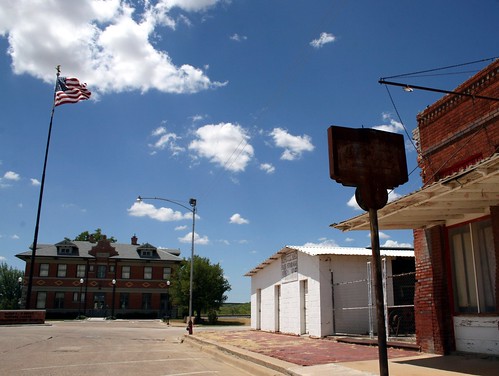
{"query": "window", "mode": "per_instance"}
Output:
(147, 272)
(124, 299)
(59, 300)
(61, 270)
(44, 270)
(101, 271)
(125, 272)
(41, 298)
(146, 300)
(111, 268)
(146, 253)
(75, 297)
(474, 267)
(80, 271)
(167, 273)
(65, 251)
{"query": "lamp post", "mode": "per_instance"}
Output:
(114, 294)
(80, 297)
(20, 282)
(192, 209)
(168, 302)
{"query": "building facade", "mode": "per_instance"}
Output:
(321, 291)
(101, 279)
(455, 219)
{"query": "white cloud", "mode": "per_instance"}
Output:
(35, 182)
(238, 38)
(393, 126)
(15, 237)
(166, 140)
(2, 258)
(392, 196)
(396, 244)
(294, 146)
(11, 175)
(349, 240)
(323, 39)
(142, 209)
(113, 40)
(323, 242)
(180, 228)
(237, 219)
(267, 167)
(224, 144)
(199, 240)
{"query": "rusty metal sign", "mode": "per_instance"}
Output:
(362, 156)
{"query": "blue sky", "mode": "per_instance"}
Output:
(225, 101)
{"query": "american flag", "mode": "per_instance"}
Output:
(70, 90)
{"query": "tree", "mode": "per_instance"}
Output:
(209, 286)
(10, 288)
(85, 236)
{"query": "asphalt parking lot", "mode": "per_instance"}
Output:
(123, 348)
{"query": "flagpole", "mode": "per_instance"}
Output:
(40, 199)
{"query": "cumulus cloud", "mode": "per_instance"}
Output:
(8, 177)
(267, 167)
(392, 196)
(323, 242)
(165, 140)
(323, 39)
(35, 182)
(391, 125)
(114, 39)
(294, 146)
(142, 209)
(396, 244)
(11, 175)
(224, 144)
(238, 38)
(237, 219)
(199, 240)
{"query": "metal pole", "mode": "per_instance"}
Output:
(192, 202)
(378, 286)
(40, 199)
(112, 304)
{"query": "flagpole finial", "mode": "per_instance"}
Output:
(58, 69)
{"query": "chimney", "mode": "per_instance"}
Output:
(134, 240)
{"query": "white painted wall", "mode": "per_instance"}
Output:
(286, 314)
(477, 334)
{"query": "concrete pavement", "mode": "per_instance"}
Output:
(303, 356)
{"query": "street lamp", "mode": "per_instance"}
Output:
(20, 282)
(114, 293)
(168, 302)
(192, 209)
(80, 297)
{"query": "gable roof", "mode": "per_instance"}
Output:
(336, 251)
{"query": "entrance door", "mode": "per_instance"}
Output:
(303, 306)
(258, 309)
(277, 308)
(99, 307)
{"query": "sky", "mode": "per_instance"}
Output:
(224, 101)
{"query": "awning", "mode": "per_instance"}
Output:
(466, 193)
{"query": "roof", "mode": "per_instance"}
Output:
(336, 251)
(470, 191)
(125, 251)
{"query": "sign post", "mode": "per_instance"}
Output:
(373, 161)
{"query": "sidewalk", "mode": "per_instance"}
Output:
(303, 356)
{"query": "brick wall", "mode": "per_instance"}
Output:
(456, 130)
(431, 300)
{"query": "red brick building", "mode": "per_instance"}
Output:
(455, 219)
(101, 278)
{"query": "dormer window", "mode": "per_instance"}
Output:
(66, 248)
(147, 251)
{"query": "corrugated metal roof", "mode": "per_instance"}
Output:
(336, 251)
(472, 191)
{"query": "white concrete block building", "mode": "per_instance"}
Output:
(293, 291)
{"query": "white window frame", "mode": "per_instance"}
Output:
(44, 270)
(62, 270)
(147, 272)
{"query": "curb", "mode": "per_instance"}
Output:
(258, 364)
